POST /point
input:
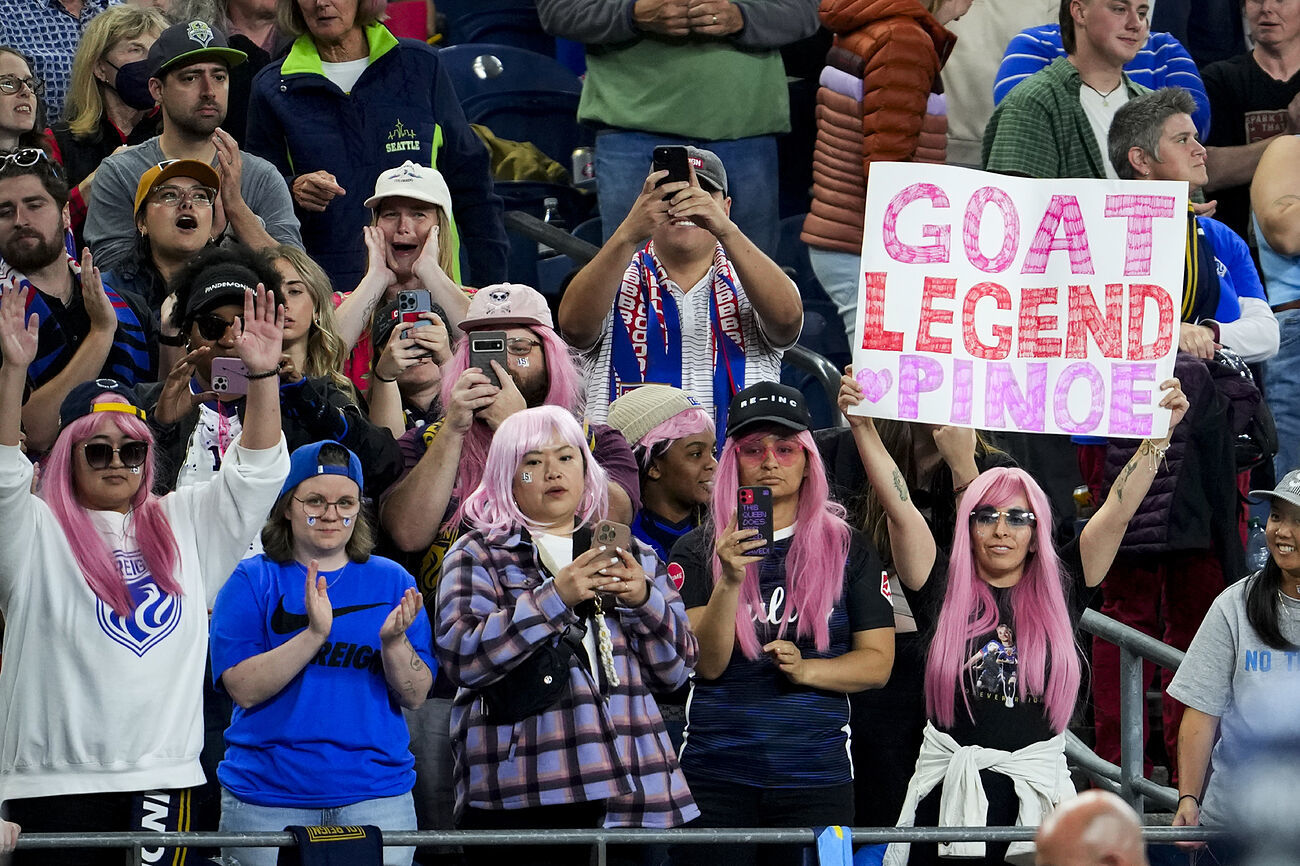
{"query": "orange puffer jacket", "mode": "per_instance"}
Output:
(896, 48)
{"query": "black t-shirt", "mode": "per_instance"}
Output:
(1246, 105)
(751, 725)
(1001, 719)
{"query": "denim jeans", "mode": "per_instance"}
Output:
(839, 273)
(386, 813)
(623, 162)
(1282, 387)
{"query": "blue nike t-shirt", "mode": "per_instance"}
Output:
(335, 734)
(751, 725)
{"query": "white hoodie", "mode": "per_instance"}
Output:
(90, 702)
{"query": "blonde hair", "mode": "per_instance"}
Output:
(447, 252)
(85, 104)
(325, 350)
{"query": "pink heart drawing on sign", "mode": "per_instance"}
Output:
(875, 385)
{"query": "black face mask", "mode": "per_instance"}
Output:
(132, 84)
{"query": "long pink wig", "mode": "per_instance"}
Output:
(491, 507)
(564, 389)
(814, 571)
(153, 532)
(1038, 605)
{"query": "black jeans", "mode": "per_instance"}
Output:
(572, 816)
(114, 812)
(726, 804)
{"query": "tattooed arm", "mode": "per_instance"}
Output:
(406, 673)
(1101, 536)
(910, 538)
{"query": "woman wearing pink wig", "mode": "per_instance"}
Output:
(1011, 596)
(784, 636)
(105, 588)
(555, 642)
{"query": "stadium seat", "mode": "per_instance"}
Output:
(519, 95)
(503, 22)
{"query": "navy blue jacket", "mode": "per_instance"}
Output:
(402, 107)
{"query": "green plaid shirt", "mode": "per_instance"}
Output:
(1040, 129)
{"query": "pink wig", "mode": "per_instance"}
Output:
(491, 507)
(814, 571)
(151, 528)
(564, 390)
(688, 422)
(1038, 605)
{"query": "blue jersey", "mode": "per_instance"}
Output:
(335, 734)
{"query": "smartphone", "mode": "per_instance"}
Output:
(411, 303)
(673, 158)
(609, 534)
(486, 346)
(754, 511)
(229, 376)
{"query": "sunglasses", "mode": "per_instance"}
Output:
(754, 453)
(99, 455)
(316, 506)
(23, 157)
(213, 327)
(1015, 517)
(11, 84)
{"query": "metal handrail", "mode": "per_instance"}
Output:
(1134, 648)
(683, 836)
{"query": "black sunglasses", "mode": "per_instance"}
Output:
(212, 327)
(1016, 517)
(99, 455)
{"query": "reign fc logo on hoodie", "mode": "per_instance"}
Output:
(155, 615)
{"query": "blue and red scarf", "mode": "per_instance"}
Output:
(647, 339)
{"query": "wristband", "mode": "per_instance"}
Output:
(1195, 799)
(172, 339)
(275, 371)
(376, 375)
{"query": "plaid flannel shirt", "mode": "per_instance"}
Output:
(1040, 129)
(496, 603)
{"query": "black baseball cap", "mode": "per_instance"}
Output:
(190, 42)
(767, 404)
(80, 401)
(223, 283)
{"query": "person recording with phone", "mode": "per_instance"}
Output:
(555, 640)
(199, 409)
(406, 381)
(784, 637)
(722, 311)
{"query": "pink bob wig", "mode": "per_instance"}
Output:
(814, 573)
(149, 522)
(688, 422)
(564, 390)
(492, 507)
(1038, 604)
